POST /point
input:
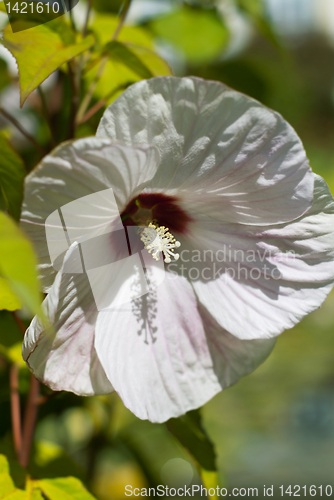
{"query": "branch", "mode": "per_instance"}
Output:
(121, 20)
(46, 115)
(75, 102)
(19, 127)
(102, 102)
(85, 28)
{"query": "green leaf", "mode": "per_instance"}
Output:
(12, 173)
(37, 494)
(104, 25)
(210, 480)
(123, 55)
(189, 431)
(18, 264)
(64, 488)
(8, 300)
(199, 33)
(41, 50)
(8, 490)
(128, 63)
(4, 75)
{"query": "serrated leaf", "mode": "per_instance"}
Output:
(12, 173)
(18, 264)
(199, 33)
(64, 488)
(41, 50)
(189, 431)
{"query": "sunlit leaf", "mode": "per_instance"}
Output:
(18, 264)
(210, 481)
(12, 174)
(189, 431)
(37, 494)
(8, 299)
(104, 25)
(199, 33)
(64, 488)
(41, 50)
(128, 63)
(156, 65)
(8, 489)
(125, 56)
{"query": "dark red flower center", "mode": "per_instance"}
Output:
(163, 209)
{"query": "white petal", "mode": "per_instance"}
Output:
(222, 153)
(233, 358)
(75, 170)
(64, 357)
(155, 353)
(165, 356)
(270, 277)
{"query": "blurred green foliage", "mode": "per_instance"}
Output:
(188, 27)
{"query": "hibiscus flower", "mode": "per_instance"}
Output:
(229, 235)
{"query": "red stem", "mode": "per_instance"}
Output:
(23, 442)
(15, 408)
(19, 323)
(29, 421)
